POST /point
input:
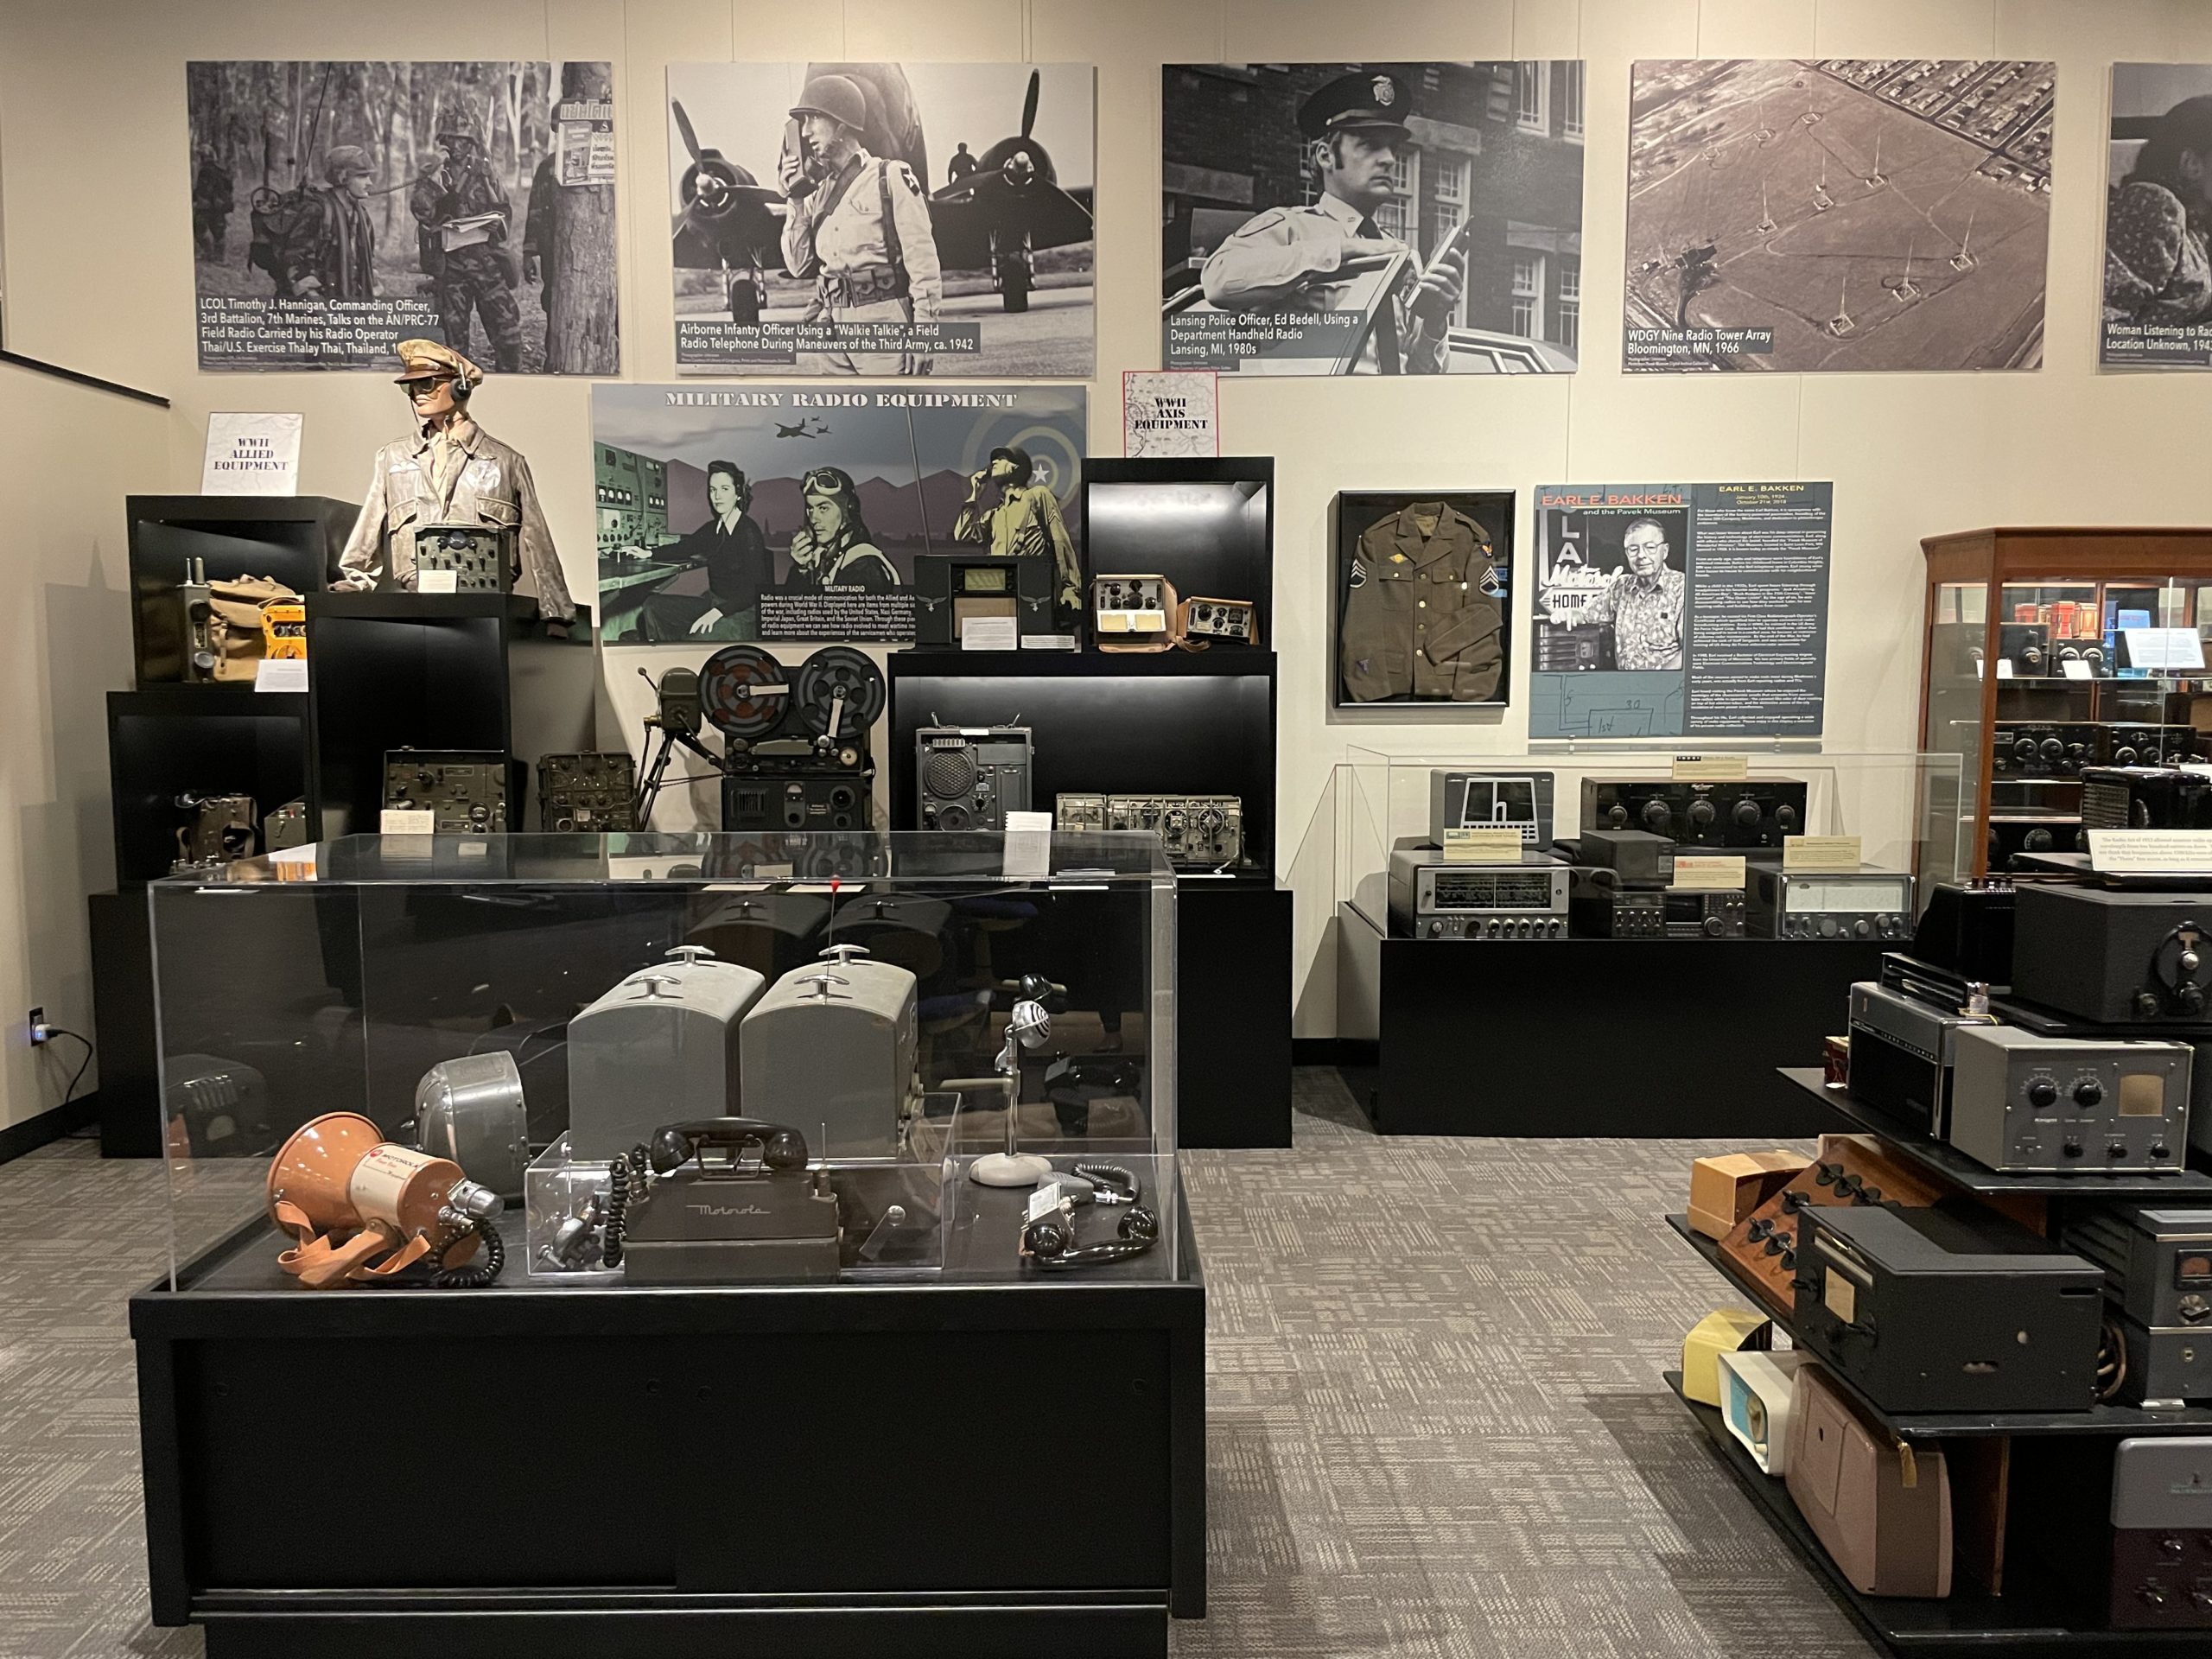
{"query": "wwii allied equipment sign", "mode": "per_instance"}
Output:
(340, 208)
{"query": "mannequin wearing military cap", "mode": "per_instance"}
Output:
(1021, 519)
(481, 275)
(1294, 259)
(858, 225)
(451, 472)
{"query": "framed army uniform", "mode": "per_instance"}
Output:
(1424, 612)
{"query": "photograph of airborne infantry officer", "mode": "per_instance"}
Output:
(1303, 259)
(857, 224)
(1423, 620)
(1019, 520)
(462, 209)
(450, 472)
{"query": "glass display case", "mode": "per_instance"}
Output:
(1901, 807)
(584, 1062)
(2049, 650)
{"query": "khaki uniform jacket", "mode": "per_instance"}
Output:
(1278, 263)
(1419, 620)
(491, 486)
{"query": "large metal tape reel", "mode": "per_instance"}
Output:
(734, 692)
(823, 675)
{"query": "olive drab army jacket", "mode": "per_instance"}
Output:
(491, 484)
(1424, 615)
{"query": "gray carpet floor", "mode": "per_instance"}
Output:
(1435, 1426)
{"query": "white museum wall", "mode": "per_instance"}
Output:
(93, 185)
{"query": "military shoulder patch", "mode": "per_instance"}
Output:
(1266, 221)
(905, 176)
(1358, 573)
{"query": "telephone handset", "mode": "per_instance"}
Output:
(812, 170)
(718, 1144)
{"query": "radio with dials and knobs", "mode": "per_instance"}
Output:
(2025, 1104)
(465, 789)
(587, 794)
(2045, 749)
(1841, 905)
(970, 777)
(1199, 830)
(1432, 900)
(1235, 621)
(1725, 814)
(1133, 612)
(2158, 1263)
(2136, 743)
(2161, 1567)
(2146, 797)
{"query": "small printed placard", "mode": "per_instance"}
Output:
(1712, 768)
(281, 674)
(408, 821)
(437, 582)
(2165, 648)
(1028, 844)
(2151, 852)
(1720, 872)
(1481, 845)
(989, 634)
(1828, 853)
(2074, 669)
(2004, 668)
(1046, 1198)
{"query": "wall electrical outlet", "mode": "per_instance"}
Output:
(38, 1032)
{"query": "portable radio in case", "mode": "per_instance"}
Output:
(1729, 815)
(469, 558)
(1952, 1307)
(284, 630)
(1226, 620)
(2025, 1104)
(970, 777)
(1491, 800)
(1431, 900)
(1133, 612)
(1840, 906)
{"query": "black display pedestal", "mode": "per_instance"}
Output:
(123, 1014)
(1139, 723)
(783, 1472)
(1628, 1037)
(1232, 1027)
(436, 671)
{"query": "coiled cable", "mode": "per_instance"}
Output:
(482, 1273)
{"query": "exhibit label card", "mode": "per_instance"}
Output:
(339, 207)
(962, 246)
(2151, 852)
(787, 513)
(1169, 412)
(2157, 292)
(1712, 768)
(1482, 845)
(1825, 854)
(1708, 873)
(252, 454)
(1681, 610)
(1462, 247)
(1817, 215)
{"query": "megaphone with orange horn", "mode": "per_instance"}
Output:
(361, 1208)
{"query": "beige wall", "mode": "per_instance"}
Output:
(99, 264)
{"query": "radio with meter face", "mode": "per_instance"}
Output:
(1847, 905)
(1430, 900)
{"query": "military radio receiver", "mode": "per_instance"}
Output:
(1205, 831)
(1846, 905)
(2158, 1263)
(2058, 749)
(2025, 1103)
(2146, 797)
(970, 777)
(1491, 800)
(951, 589)
(462, 558)
(1230, 620)
(1133, 612)
(1431, 900)
(587, 794)
(465, 791)
(1733, 815)
(2137, 956)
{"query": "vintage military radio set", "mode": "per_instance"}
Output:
(1847, 905)
(796, 754)
(2117, 956)
(587, 794)
(970, 777)
(1234, 621)
(1197, 831)
(1133, 612)
(952, 589)
(2158, 1263)
(468, 558)
(1432, 900)
(2062, 749)
(1728, 815)
(2146, 797)
(464, 790)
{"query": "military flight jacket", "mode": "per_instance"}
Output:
(492, 486)
(1422, 618)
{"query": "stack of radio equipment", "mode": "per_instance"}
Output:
(1634, 872)
(2020, 1234)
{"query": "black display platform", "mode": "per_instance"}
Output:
(293, 539)
(1599, 1037)
(167, 740)
(436, 671)
(123, 1014)
(1232, 1028)
(778, 1471)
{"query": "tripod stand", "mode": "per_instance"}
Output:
(677, 723)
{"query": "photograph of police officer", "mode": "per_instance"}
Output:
(1611, 583)
(390, 200)
(881, 201)
(1412, 219)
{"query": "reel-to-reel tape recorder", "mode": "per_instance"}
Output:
(798, 755)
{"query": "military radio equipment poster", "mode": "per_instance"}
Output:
(2158, 292)
(1674, 610)
(1372, 218)
(882, 218)
(1837, 214)
(797, 512)
(339, 208)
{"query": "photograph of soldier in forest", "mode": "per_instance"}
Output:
(339, 208)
